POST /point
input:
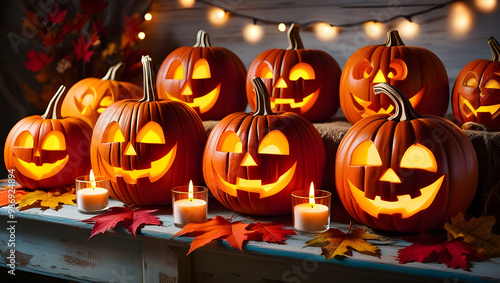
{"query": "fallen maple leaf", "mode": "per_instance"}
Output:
(50, 199)
(476, 232)
(37, 60)
(337, 243)
(122, 216)
(426, 248)
(268, 232)
(218, 228)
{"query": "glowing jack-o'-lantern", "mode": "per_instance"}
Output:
(88, 98)
(416, 71)
(146, 147)
(476, 93)
(48, 151)
(303, 81)
(211, 80)
(253, 161)
(405, 172)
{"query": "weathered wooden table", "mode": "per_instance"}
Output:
(55, 243)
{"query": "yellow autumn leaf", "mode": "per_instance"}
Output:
(476, 232)
(50, 199)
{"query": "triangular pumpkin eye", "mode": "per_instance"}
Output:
(54, 140)
(151, 133)
(201, 69)
(302, 70)
(265, 72)
(274, 142)
(418, 156)
(366, 154)
(113, 133)
(229, 142)
(25, 139)
(175, 71)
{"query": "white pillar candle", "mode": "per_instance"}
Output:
(310, 217)
(92, 199)
(189, 211)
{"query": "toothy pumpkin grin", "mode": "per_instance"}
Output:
(468, 109)
(157, 170)
(204, 103)
(304, 105)
(35, 172)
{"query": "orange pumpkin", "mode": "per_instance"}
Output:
(405, 172)
(88, 98)
(48, 151)
(476, 93)
(211, 80)
(303, 81)
(253, 161)
(146, 147)
(416, 71)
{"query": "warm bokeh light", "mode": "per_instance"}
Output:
(282, 27)
(252, 33)
(486, 6)
(408, 29)
(187, 3)
(141, 35)
(217, 16)
(148, 17)
(374, 30)
(461, 19)
(325, 32)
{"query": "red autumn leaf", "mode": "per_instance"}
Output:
(82, 49)
(93, 6)
(217, 228)
(131, 29)
(122, 216)
(57, 17)
(426, 248)
(37, 60)
(269, 232)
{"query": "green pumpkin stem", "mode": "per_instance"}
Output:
(495, 48)
(202, 39)
(393, 39)
(262, 96)
(403, 111)
(111, 74)
(148, 87)
(294, 38)
(54, 109)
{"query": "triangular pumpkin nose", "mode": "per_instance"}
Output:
(129, 150)
(379, 77)
(37, 153)
(248, 160)
(390, 176)
(281, 83)
(186, 90)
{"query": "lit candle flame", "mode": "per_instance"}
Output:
(92, 179)
(190, 192)
(311, 195)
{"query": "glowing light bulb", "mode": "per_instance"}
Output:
(374, 30)
(148, 17)
(252, 33)
(409, 29)
(187, 3)
(311, 195)
(461, 19)
(325, 32)
(217, 16)
(486, 6)
(141, 35)
(282, 27)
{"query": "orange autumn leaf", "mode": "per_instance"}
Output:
(50, 199)
(337, 243)
(4, 196)
(476, 232)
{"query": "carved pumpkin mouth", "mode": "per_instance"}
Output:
(405, 205)
(469, 110)
(363, 106)
(204, 103)
(35, 172)
(157, 170)
(306, 103)
(255, 186)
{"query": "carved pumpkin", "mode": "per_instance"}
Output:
(253, 161)
(405, 172)
(88, 98)
(146, 147)
(48, 151)
(476, 93)
(416, 71)
(209, 79)
(303, 81)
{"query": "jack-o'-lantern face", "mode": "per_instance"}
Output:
(252, 173)
(92, 101)
(144, 154)
(390, 189)
(480, 97)
(40, 159)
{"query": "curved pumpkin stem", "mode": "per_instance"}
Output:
(294, 38)
(495, 48)
(111, 74)
(403, 111)
(202, 39)
(393, 39)
(54, 109)
(262, 96)
(147, 80)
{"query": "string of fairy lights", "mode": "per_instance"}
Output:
(460, 20)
